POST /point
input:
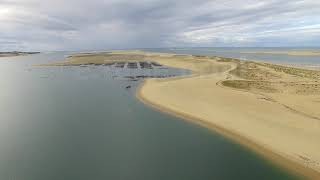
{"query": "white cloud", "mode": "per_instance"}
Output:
(97, 24)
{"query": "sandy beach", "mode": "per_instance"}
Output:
(271, 109)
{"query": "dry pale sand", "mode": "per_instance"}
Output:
(278, 114)
(272, 109)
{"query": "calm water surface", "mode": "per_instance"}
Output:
(73, 123)
(242, 53)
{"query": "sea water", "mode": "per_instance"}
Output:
(81, 123)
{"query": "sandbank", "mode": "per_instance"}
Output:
(289, 53)
(16, 53)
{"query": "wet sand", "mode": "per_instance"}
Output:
(272, 109)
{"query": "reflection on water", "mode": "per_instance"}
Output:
(79, 123)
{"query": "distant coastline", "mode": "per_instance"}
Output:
(293, 56)
(16, 53)
(290, 53)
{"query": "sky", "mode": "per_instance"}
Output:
(118, 24)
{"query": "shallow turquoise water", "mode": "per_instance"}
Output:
(79, 123)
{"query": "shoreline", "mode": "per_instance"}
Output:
(16, 53)
(271, 109)
(277, 159)
(289, 53)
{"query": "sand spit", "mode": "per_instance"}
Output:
(97, 58)
(272, 109)
(289, 53)
(16, 53)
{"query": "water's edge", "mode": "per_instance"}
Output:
(80, 123)
(274, 158)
